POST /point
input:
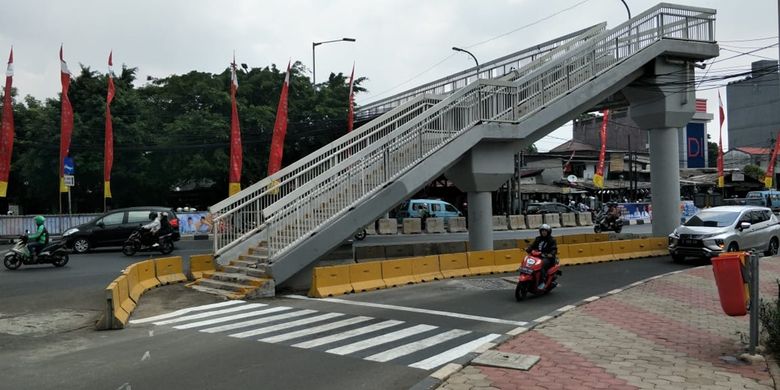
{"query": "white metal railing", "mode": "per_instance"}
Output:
(495, 69)
(361, 171)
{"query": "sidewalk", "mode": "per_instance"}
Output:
(668, 333)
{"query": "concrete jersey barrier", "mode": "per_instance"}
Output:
(568, 220)
(517, 222)
(456, 224)
(554, 220)
(499, 222)
(534, 221)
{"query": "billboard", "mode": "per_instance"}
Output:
(695, 145)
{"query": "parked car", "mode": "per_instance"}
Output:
(436, 208)
(114, 227)
(726, 229)
(768, 198)
(548, 208)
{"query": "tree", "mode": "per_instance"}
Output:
(712, 154)
(754, 171)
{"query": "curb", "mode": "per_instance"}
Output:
(637, 221)
(435, 379)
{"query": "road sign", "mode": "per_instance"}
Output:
(68, 167)
(70, 180)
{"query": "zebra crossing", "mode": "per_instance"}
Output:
(421, 346)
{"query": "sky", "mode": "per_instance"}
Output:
(399, 43)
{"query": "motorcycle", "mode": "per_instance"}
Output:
(53, 253)
(601, 224)
(138, 242)
(531, 276)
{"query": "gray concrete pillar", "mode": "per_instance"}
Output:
(665, 179)
(480, 221)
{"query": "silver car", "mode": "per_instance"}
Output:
(725, 229)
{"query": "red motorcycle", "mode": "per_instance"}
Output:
(531, 276)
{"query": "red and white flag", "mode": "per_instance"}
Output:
(108, 162)
(351, 111)
(7, 129)
(236, 153)
(280, 128)
(66, 120)
(598, 178)
(722, 114)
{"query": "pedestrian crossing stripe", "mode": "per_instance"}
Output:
(419, 346)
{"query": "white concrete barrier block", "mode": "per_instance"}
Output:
(534, 221)
(554, 220)
(584, 219)
(412, 226)
(568, 220)
(499, 222)
(388, 226)
(456, 225)
(517, 222)
(371, 229)
(434, 225)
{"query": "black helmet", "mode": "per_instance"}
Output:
(545, 227)
(153, 215)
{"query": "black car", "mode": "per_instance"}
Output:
(548, 208)
(114, 227)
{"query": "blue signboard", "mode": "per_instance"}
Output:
(695, 145)
(68, 168)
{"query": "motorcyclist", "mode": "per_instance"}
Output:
(37, 240)
(149, 231)
(612, 214)
(546, 245)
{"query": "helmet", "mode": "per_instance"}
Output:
(153, 215)
(545, 227)
(39, 220)
(164, 214)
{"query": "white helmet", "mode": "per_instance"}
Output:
(545, 227)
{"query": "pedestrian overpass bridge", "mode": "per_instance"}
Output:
(468, 126)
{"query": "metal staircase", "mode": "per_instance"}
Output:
(285, 222)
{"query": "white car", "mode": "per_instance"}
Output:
(726, 229)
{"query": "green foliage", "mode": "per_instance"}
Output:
(754, 171)
(712, 154)
(168, 132)
(769, 315)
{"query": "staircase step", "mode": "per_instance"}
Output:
(258, 250)
(254, 272)
(244, 263)
(227, 286)
(216, 291)
(254, 258)
(235, 278)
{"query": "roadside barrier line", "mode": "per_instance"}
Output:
(413, 347)
(348, 334)
(316, 329)
(379, 340)
(231, 318)
(448, 356)
(286, 325)
(258, 321)
(414, 310)
(185, 311)
(211, 313)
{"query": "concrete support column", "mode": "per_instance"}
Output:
(480, 221)
(665, 179)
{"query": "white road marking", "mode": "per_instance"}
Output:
(210, 314)
(567, 308)
(591, 299)
(517, 331)
(274, 328)
(452, 354)
(231, 318)
(542, 319)
(258, 321)
(151, 333)
(348, 334)
(615, 291)
(379, 340)
(147, 355)
(185, 311)
(315, 329)
(414, 310)
(406, 349)
(444, 372)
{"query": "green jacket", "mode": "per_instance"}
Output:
(39, 235)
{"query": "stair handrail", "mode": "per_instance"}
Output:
(284, 209)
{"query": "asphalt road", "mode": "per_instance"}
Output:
(148, 355)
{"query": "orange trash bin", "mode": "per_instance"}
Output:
(731, 285)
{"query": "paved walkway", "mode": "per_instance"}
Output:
(668, 333)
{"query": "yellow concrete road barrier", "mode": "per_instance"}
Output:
(524, 242)
(508, 260)
(200, 264)
(578, 254)
(366, 276)
(480, 262)
(134, 285)
(169, 270)
(659, 246)
(643, 248)
(426, 269)
(118, 316)
(563, 253)
(125, 302)
(397, 272)
(147, 275)
(621, 249)
(597, 237)
(600, 251)
(330, 281)
(453, 265)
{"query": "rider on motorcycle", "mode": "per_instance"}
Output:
(37, 240)
(612, 214)
(545, 243)
(149, 231)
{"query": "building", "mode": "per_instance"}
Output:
(740, 156)
(751, 108)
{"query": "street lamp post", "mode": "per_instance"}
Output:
(313, 57)
(469, 53)
(479, 92)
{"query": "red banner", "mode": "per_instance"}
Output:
(351, 112)
(280, 129)
(770, 169)
(722, 114)
(109, 144)
(236, 153)
(598, 178)
(66, 119)
(7, 129)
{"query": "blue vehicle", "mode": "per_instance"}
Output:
(436, 208)
(766, 198)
